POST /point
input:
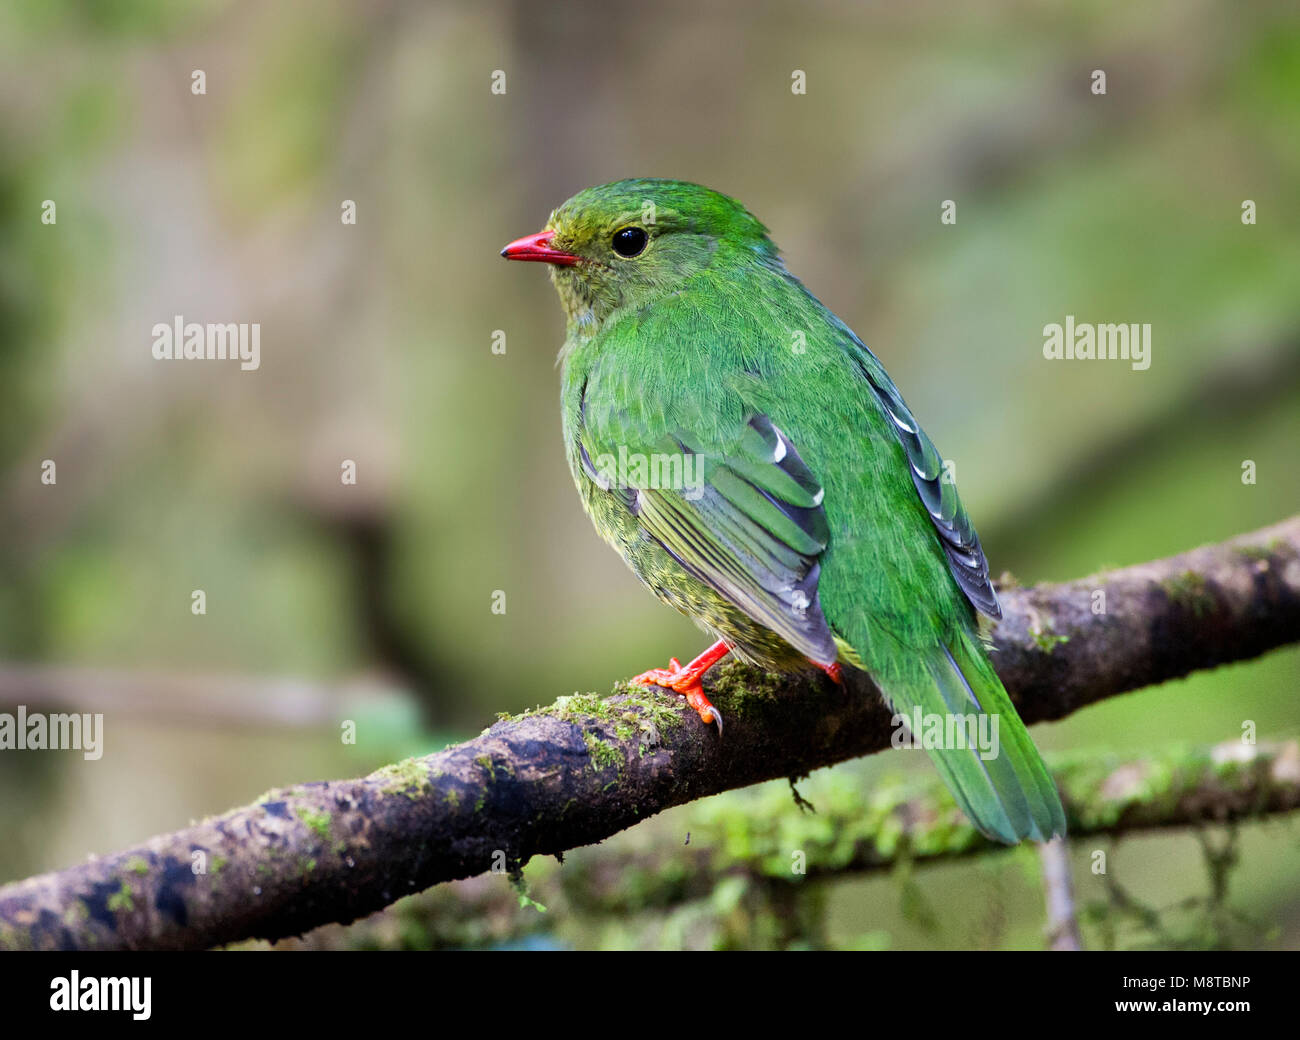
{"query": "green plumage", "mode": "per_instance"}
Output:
(818, 524)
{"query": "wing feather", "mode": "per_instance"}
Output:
(753, 531)
(937, 492)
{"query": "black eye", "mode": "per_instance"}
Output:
(630, 241)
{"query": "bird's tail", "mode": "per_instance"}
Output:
(985, 757)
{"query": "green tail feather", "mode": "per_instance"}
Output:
(1010, 796)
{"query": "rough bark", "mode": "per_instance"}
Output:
(855, 831)
(585, 768)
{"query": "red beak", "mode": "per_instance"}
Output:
(538, 247)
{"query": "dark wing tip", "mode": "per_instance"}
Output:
(957, 534)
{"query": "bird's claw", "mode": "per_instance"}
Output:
(687, 683)
(664, 677)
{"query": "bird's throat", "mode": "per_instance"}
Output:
(586, 304)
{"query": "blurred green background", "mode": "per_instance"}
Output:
(373, 601)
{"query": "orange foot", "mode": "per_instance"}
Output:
(687, 680)
(833, 671)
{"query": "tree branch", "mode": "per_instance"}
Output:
(585, 768)
(1058, 887)
(855, 831)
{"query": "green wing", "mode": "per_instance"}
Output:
(749, 522)
(938, 494)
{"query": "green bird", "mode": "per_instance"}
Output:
(756, 467)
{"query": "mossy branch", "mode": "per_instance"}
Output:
(584, 768)
(766, 841)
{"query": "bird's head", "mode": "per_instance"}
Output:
(620, 245)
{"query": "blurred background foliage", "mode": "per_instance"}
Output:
(376, 347)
